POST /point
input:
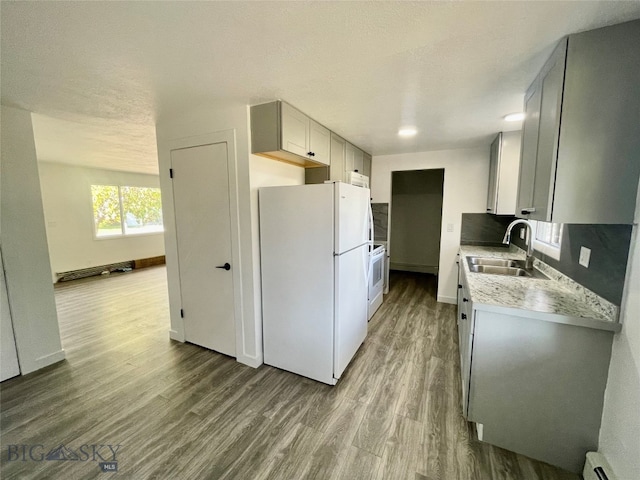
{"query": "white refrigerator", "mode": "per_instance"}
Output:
(314, 249)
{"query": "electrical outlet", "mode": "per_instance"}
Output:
(522, 233)
(585, 256)
(449, 227)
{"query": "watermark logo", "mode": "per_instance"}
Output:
(104, 455)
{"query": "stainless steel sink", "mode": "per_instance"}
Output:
(496, 262)
(511, 271)
(502, 266)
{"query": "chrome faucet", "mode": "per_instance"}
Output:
(528, 240)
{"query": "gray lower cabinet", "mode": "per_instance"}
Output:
(536, 386)
(580, 143)
(465, 337)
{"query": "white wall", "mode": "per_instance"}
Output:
(68, 213)
(24, 247)
(466, 176)
(267, 173)
(207, 120)
(620, 428)
(251, 173)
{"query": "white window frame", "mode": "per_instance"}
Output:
(123, 228)
(546, 247)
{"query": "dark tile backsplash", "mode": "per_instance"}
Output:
(609, 246)
(380, 220)
(483, 229)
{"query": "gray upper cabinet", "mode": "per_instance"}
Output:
(350, 158)
(529, 149)
(319, 143)
(358, 161)
(503, 173)
(338, 156)
(280, 131)
(295, 130)
(354, 161)
(580, 142)
(345, 158)
(366, 168)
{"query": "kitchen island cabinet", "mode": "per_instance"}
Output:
(534, 363)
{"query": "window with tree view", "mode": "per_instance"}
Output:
(126, 210)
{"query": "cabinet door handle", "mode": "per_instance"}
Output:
(226, 266)
(463, 316)
(527, 211)
(465, 299)
(311, 154)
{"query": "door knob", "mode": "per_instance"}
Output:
(226, 266)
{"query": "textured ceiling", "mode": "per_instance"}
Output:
(100, 74)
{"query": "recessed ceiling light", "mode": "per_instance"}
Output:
(514, 117)
(407, 132)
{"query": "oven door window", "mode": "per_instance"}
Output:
(376, 271)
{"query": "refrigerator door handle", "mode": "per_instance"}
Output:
(366, 265)
(371, 229)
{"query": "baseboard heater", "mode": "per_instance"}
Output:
(597, 468)
(93, 271)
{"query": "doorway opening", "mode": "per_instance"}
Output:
(416, 220)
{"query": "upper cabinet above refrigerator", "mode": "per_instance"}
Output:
(283, 132)
(579, 161)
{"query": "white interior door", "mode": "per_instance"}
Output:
(203, 228)
(8, 355)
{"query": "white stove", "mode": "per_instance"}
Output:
(378, 258)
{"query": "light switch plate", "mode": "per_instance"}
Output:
(585, 256)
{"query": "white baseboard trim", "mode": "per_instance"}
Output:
(447, 299)
(408, 267)
(174, 335)
(253, 362)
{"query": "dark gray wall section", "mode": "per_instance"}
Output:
(609, 246)
(416, 220)
(380, 220)
(483, 229)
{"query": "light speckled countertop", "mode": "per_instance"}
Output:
(557, 299)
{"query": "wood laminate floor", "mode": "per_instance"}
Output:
(179, 411)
